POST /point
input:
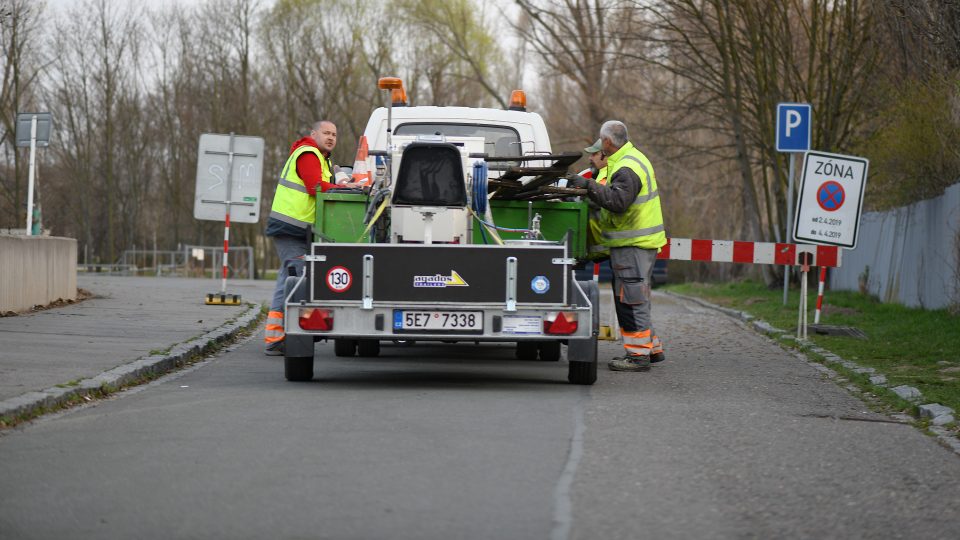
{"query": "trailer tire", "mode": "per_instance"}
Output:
(345, 347)
(368, 347)
(549, 351)
(527, 350)
(298, 368)
(582, 372)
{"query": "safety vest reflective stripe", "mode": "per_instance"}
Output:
(292, 203)
(617, 235)
(293, 185)
(643, 165)
(287, 219)
(274, 328)
(648, 197)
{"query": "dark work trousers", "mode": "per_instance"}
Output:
(632, 277)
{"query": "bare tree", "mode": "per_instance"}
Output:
(455, 51)
(582, 42)
(732, 61)
(92, 89)
(20, 40)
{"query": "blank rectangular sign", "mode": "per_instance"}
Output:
(213, 170)
(44, 126)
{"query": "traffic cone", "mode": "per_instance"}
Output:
(361, 172)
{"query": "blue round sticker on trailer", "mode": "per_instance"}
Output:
(540, 284)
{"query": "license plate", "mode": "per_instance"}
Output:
(442, 321)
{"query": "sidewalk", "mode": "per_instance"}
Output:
(131, 326)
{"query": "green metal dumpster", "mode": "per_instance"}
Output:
(556, 219)
(340, 219)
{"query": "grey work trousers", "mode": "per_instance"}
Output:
(290, 251)
(632, 277)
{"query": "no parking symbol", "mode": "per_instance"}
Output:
(830, 196)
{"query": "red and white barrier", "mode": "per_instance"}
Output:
(823, 277)
(687, 249)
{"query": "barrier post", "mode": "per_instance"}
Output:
(805, 260)
(823, 277)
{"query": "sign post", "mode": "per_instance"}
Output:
(33, 129)
(793, 135)
(828, 209)
(219, 189)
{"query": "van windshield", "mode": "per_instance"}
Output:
(499, 141)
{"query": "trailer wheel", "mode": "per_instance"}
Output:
(344, 347)
(582, 372)
(298, 368)
(368, 347)
(527, 350)
(549, 351)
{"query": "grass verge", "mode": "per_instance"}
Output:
(916, 347)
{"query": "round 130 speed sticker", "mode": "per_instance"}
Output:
(339, 279)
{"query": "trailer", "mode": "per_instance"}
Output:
(460, 237)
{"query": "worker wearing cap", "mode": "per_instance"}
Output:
(596, 251)
(308, 169)
(631, 226)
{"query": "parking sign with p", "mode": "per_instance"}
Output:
(793, 127)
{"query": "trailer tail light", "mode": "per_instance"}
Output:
(561, 323)
(316, 319)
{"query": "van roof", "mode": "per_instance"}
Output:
(435, 113)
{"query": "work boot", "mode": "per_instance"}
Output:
(657, 357)
(274, 349)
(630, 363)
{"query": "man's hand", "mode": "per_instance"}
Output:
(576, 181)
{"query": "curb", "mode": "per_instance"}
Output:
(944, 436)
(33, 404)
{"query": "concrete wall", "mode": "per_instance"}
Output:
(913, 254)
(36, 270)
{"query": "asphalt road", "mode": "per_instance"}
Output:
(731, 438)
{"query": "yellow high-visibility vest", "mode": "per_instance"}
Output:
(595, 247)
(642, 224)
(291, 203)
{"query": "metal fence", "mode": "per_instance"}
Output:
(909, 255)
(190, 261)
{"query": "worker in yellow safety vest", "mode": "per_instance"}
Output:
(308, 169)
(596, 250)
(631, 227)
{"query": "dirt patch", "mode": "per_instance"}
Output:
(839, 310)
(950, 370)
(82, 294)
(908, 367)
(752, 301)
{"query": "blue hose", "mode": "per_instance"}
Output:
(479, 202)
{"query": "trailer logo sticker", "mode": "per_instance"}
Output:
(440, 280)
(540, 284)
(339, 279)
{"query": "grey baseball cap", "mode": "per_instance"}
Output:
(594, 148)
